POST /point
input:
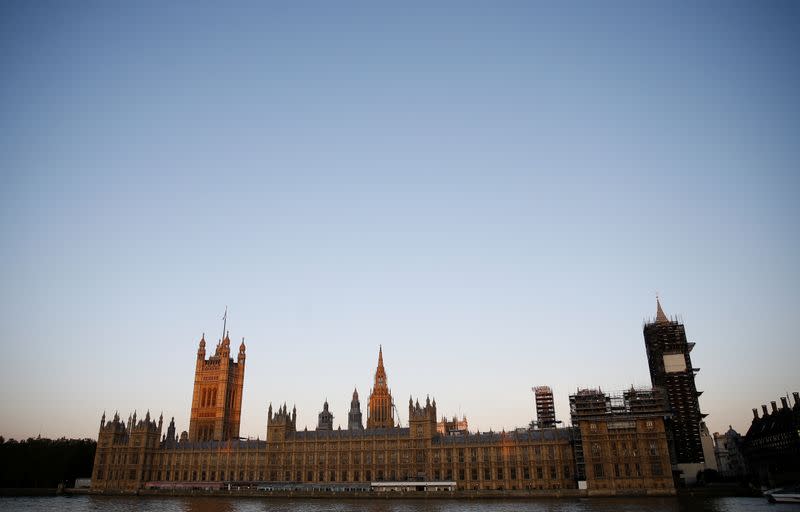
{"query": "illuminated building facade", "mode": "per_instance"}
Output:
(135, 456)
(217, 396)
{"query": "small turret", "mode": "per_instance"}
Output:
(242, 356)
(172, 437)
(280, 423)
(201, 350)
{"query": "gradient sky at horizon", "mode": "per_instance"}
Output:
(493, 192)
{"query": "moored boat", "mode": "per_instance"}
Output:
(784, 495)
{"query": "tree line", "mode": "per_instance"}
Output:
(45, 463)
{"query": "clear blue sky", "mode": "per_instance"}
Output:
(493, 191)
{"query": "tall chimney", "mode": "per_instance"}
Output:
(784, 402)
(774, 407)
(764, 410)
(755, 413)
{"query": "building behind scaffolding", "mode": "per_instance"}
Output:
(671, 371)
(620, 440)
(545, 408)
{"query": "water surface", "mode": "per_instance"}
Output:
(224, 504)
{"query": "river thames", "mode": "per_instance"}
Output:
(149, 504)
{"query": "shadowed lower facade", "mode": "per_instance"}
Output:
(137, 455)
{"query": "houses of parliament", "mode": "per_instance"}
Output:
(616, 444)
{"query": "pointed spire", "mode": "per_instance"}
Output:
(380, 356)
(201, 349)
(242, 347)
(661, 318)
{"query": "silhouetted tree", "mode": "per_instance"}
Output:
(45, 462)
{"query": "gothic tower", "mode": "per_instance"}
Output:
(381, 413)
(422, 420)
(325, 419)
(217, 397)
(354, 421)
(671, 370)
(280, 424)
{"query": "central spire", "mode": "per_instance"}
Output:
(661, 318)
(380, 372)
(380, 399)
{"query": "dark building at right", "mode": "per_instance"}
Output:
(772, 444)
(671, 370)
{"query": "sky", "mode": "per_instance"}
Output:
(492, 191)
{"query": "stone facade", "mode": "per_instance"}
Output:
(632, 450)
(621, 441)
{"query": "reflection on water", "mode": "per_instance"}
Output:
(126, 504)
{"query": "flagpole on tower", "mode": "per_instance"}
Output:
(224, 322)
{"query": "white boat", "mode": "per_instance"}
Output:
(784, 495)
